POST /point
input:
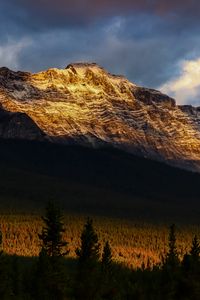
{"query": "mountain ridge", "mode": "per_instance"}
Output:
(84, 104)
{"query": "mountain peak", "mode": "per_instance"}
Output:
(84, 104)
(92, 66)
(84, 65)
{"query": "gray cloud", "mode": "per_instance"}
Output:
(93, 8)
(44, 14)
(144, 40)
(148, 58)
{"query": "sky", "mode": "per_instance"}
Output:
(154, 43)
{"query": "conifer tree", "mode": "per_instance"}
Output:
(51, 236)
(170, 271)
(107, 258)
(191, 260)
(191, 271)
(89, 250)
(88, 276)
(50, 275)
(195, 250)
(172, 259)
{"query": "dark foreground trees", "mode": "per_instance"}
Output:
(88, 276)
(52, 232)
(50, 273)
(89, 251)
(94, 278)
(172, 260)
(107, 258)
(93, 275)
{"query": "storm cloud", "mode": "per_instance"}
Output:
(146, 40)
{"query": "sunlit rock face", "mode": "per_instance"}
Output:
(84, 104)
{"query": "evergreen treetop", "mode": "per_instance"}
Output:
(172, 259)
(195, 249)
(106, 257)
(89, 250)
(52, 232)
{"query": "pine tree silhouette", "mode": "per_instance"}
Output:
(50, 274)
(107, 258)
(170, 270)
(195, 250)
(51, 236)
(172, 259)
(89, 250)
(191, 260)
(88, 276)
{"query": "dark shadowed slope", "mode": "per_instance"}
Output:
(105, 181)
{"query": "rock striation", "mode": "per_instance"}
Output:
(84, 104)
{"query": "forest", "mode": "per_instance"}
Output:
(129, 250)
(94, 272)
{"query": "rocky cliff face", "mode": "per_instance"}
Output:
(84, 104)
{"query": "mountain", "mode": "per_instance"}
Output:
(85, 105)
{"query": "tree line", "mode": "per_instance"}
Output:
(94, 275)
